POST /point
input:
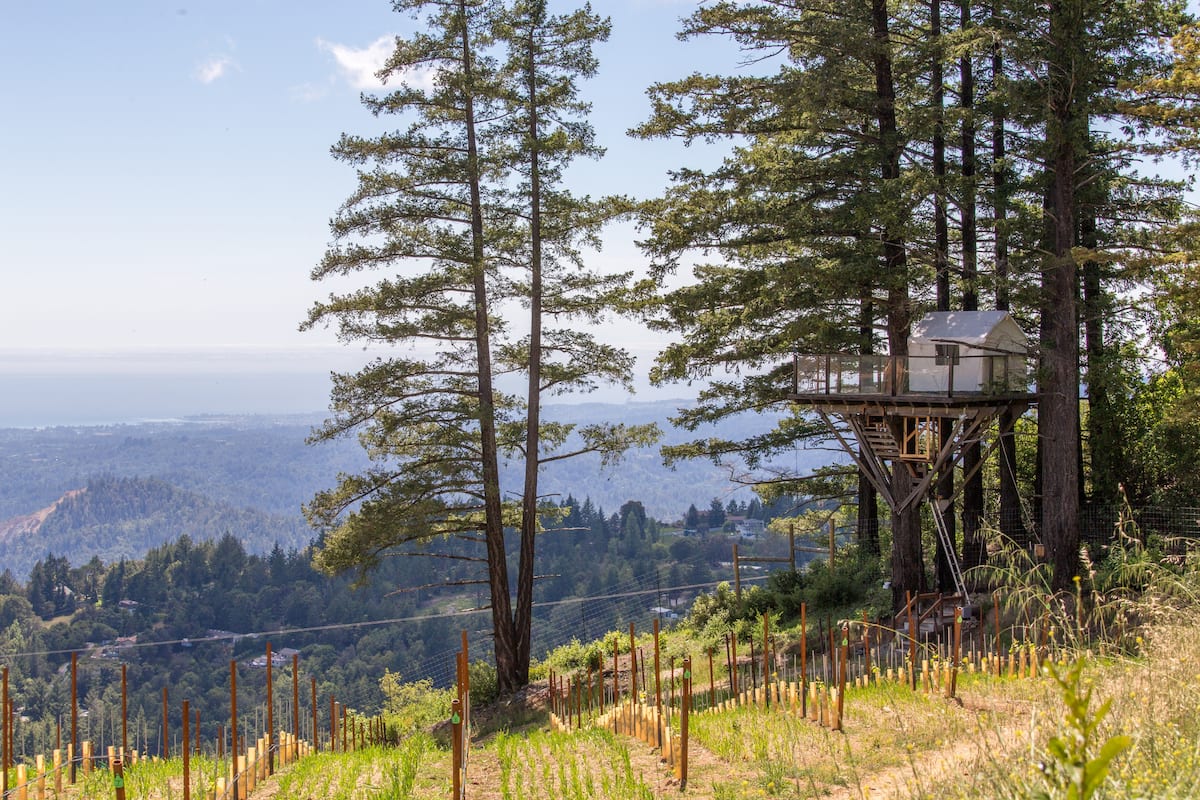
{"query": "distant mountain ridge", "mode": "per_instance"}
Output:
(116, 518)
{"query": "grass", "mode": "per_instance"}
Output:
(886, 727)
(417, 768)
(1115, 718)
(588, 765)
(150, 779)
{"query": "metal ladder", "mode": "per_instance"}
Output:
(943, 532)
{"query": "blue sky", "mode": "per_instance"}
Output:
(167, 178)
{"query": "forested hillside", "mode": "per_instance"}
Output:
(150, 483)
(193, 605)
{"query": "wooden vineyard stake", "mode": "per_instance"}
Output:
(671, 685)
(866, 647)
(842, 674)
(733, 645)
(295, 710)
(766, 667)
(952, 687)
(803, 660)
(4, 735)
(74, 717)
(124, 714)
(833, 653)
(737, 574)
(996, 617)
(119, 779)
(729, 668)
(712, 683)
(912, 641)
(316, 733)
(270, 713)
(466, 660)
(616, 673)
(657, 689)
(633, 666)
(187, 753)
(683, 723)
(753, 666)
(164, 748)
(233, 724)
(333, 722)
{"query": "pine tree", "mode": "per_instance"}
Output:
(428, 421)
(547, 127)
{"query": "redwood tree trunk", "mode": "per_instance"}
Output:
(908, 570)
(974, 553)
(1012, 523)
(1058, 420)
(941, 258)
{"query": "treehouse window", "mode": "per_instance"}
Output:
(946, 354)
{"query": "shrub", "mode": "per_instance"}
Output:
(484, 688)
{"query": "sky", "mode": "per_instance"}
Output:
(167, 183)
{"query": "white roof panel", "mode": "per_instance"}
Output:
(973, 328)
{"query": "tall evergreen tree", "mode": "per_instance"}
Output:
(429, 420)
(468, 202)
(547, 127)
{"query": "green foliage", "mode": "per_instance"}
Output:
(713, 614)
(854, 584)
(413, 706)
(115, 518)
(483, 683)
(1079, 760)
(572, 656)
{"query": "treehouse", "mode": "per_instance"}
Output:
(920, 411)
(979, 352)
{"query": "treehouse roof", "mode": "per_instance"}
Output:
(994, 331)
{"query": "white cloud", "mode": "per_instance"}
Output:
(359, 65)
(214, 69)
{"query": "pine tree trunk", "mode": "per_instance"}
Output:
(502, 627)
(523, 622)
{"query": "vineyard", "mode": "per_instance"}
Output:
(851, 715)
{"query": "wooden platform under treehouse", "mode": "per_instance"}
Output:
(960, 365)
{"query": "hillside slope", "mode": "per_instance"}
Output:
(116, 518)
